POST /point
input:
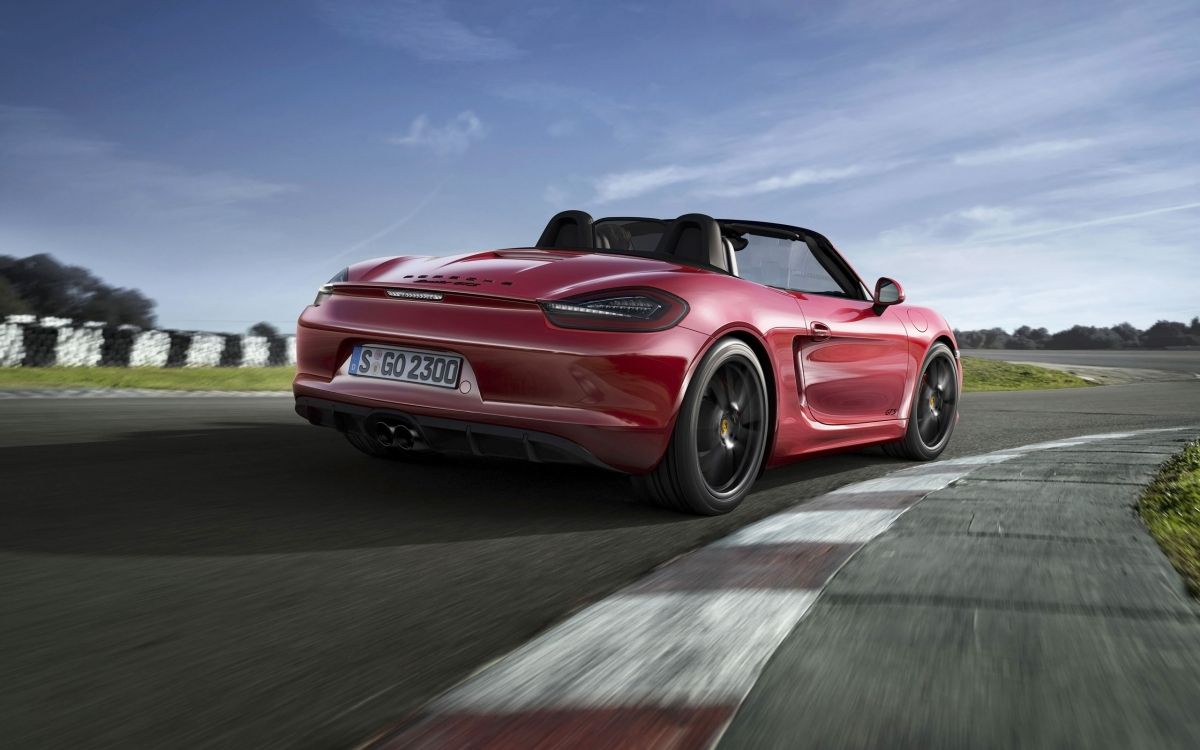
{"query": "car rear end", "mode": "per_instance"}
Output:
(430, 365)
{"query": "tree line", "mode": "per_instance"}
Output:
(40, 285)
(1164, 333)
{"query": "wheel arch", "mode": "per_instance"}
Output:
(948, 340)
(759, 347)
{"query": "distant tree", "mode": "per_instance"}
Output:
(1020, 342)
(969, 339)
(264, 329)
(48, 287)
(1084, 337)
(994, 338)
(1130, 336)
(1195, 326)
(10, 302)
(1166, 333)
(1034, 336)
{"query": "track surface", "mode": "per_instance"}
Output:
(1177, 361)
(214, 572)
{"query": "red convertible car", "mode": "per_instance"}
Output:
(691, 354)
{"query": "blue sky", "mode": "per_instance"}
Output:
(1010, 163)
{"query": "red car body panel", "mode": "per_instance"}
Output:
(615, 394)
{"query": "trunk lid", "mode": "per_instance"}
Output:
(522, 273)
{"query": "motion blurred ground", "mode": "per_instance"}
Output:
(215, 572)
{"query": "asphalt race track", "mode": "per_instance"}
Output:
(214, 572)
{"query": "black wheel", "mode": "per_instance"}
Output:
(934, 409)
(720, 436)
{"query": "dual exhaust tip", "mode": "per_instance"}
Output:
(395, 433)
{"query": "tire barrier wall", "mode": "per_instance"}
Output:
(26, 341)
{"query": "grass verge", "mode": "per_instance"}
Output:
(1170, 506)
(978, 375)
(175, 378)
(994, 375)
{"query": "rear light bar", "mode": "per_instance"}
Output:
(617, 310)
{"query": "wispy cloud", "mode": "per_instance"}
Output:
(41, 148)
(624, 120)
(794, 179)
(631, 184)
(1022, 152)
(425, 30)
(454, 137)
(1054, 85)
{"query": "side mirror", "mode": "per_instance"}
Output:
(887, 292)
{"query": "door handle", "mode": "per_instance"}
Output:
(820, 331)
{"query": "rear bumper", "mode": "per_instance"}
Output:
(614, 396)
(453, 435)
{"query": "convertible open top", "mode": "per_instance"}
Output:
(695, 239)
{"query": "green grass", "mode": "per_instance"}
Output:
(978, 375)
(175, 378)
(994, 375)
(1170, 506)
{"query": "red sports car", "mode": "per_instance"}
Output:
(690, 354)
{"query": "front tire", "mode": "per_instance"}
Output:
(934, 410)
(720, 437)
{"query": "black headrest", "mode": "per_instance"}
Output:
(568, 229)
(694, 237)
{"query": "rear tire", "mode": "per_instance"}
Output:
(934, 409)
(720, 437)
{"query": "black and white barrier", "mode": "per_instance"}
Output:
(27, 341)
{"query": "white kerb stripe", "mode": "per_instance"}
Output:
(904, 483)
(988, 458)
(673, 649)
(831, 526)
(1054, 444)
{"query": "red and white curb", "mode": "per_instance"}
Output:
(666, 662)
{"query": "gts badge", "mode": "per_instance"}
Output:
(890, 412)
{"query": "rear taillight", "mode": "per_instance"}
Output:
(617, 310)
(327, 288)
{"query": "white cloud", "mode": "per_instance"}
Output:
(631, 184)
(41, 148)
(454, 137)
(554, 195)
(794, 179)
(1006, 266)
(425, 30)
(1052, 84)
(989, 215)
(1022, 152)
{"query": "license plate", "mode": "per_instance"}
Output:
(406, 365)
